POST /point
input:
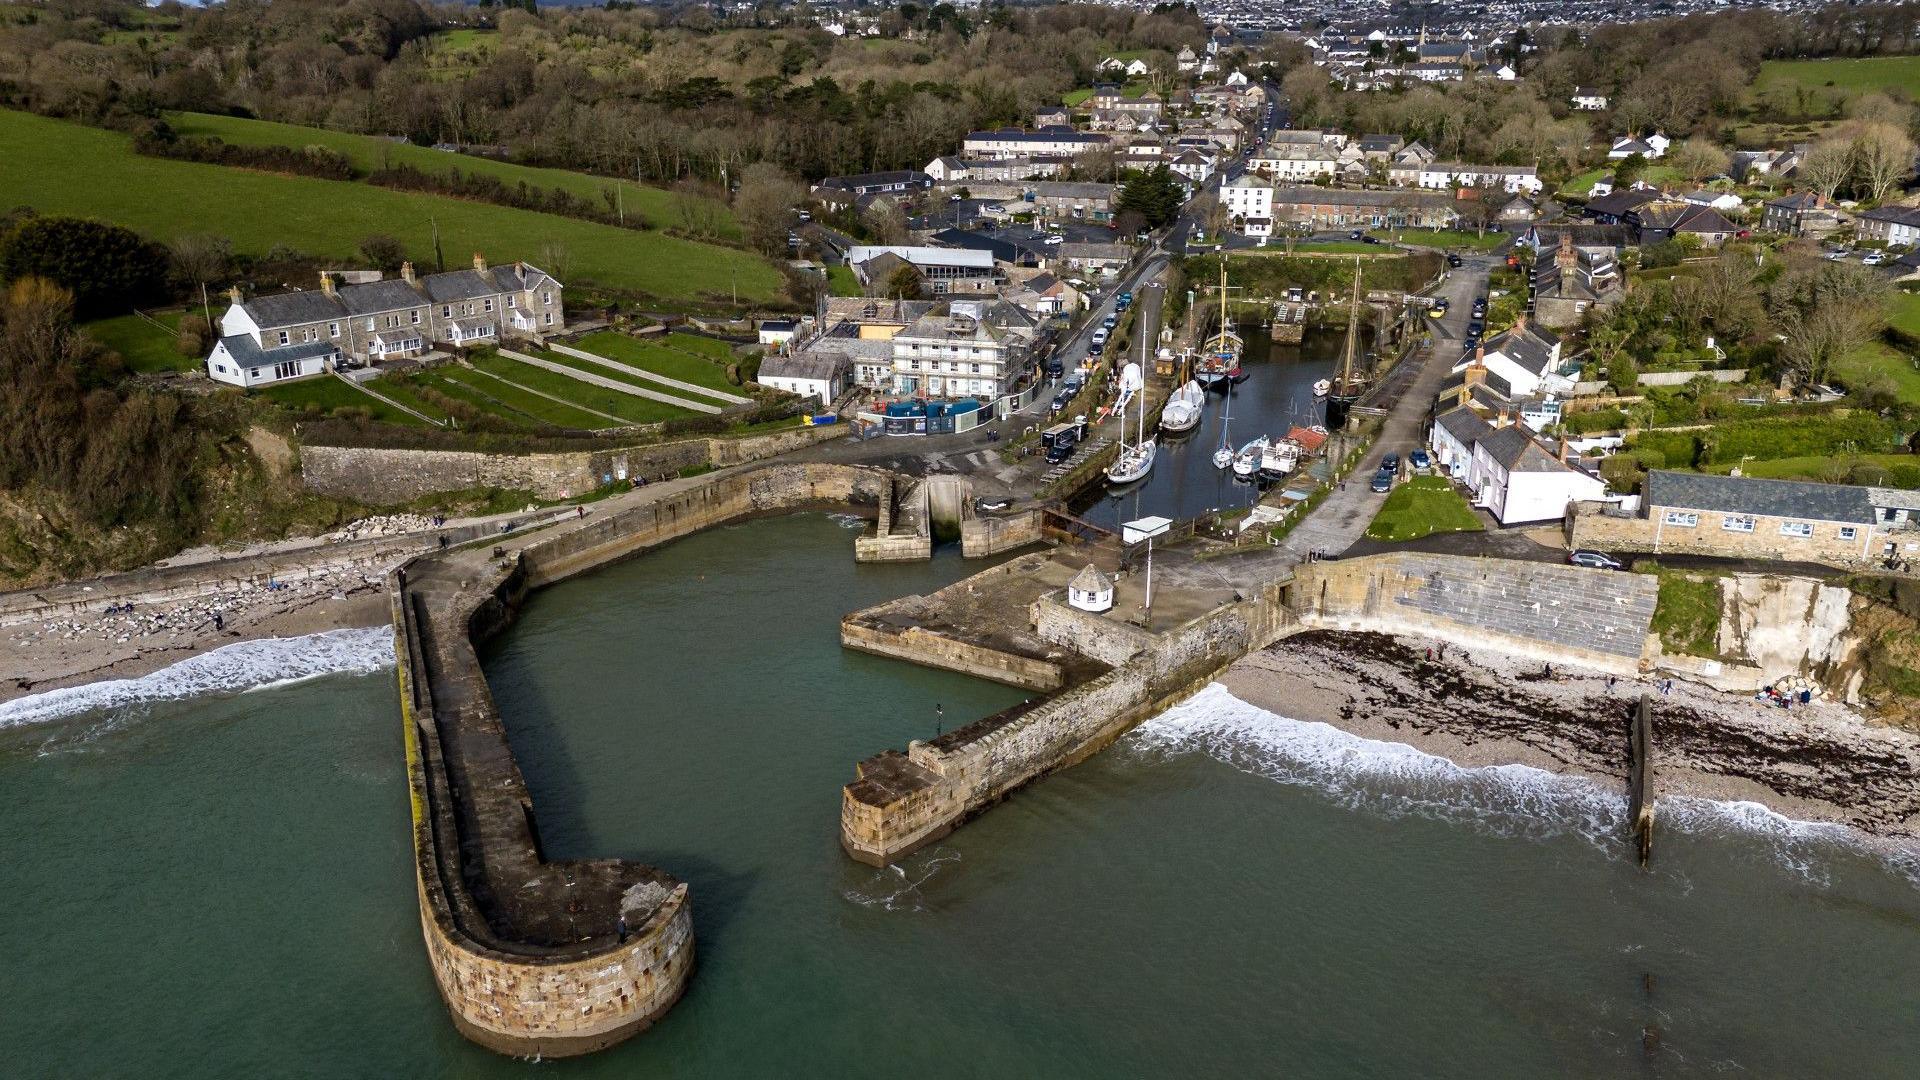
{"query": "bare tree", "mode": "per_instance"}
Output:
(200, 259)
(1819, 338)
(1826, 167)
(556, 259)
(886, 220)
(1882, 158)
(1699, 158)
(765, 205)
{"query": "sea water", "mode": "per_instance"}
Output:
(220, 886)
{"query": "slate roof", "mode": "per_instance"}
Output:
(377, 296)
(1465, 425)
(804, 365)
(1799, 200)
(1090, 579)
(1618, 202)
(1901, 215)
(1523, 348)
(1515, 448)
(291, 308)
(1752, 495)
(247, 354)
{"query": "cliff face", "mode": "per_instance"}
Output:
(1859, 638)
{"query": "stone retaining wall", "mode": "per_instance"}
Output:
(899, 802)
(1542, 610)
(981, 537)
(930, 649)
(384, 477)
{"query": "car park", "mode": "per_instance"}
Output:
(1595, 560)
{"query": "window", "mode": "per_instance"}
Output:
(1683, 518)
(286, 370)
(333, 329)
(1796, 528)
(284, 337)
(446, 311)
(1732, 523)
(416, 316)
(549, 318)
(253, 373)
(1848, 532)
(487, 304)
(371, 325)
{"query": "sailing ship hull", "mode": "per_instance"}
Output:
(1132, 466)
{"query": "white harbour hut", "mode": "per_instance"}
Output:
(1090, 590)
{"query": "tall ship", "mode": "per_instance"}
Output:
(1345, 389)
(1220, 356)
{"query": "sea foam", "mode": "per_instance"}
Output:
(1518, 801)
(232, 668)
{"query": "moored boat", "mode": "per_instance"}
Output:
(1322, 388)
(1183, 409)
(1136, 460)
(1247, 462)
(1278, 459)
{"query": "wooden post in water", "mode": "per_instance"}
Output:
(1640, 777)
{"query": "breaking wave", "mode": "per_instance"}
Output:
(1515, 801)
(244, 665)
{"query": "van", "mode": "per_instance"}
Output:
(1062, 447)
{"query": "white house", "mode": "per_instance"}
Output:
(1296, 162)
(957, 353)
(1090, 590)
(1016, 143)
(817, 375)
(1441, 176)
(1651, 147)
(1724, 201)
(1248, 198)
(776, 332)
(1505, 73)
(1507, 471)
(1192, 164)
(1526, 358)
(1589, 99)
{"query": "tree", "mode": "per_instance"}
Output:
(1631, 168)
(106, 268)
(1623, 374)
(905, 283)
(200, 259)
(1698, 158)
(1826, 167)
(765, 203)
(1153, 194)
(1882, 158)
(383, 252)
(1818, 339)
(885, 220)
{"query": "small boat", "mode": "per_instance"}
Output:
(1182, 411)
(1322, 388)
(1247, 462)
(1278, 459)
(1237, 374)
(1135, 461)
(1223, 457)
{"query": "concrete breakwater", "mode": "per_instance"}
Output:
(538, 957)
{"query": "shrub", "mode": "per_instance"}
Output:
(1905, 476)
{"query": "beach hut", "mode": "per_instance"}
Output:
(1090, 590)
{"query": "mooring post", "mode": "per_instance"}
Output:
(1640, 777)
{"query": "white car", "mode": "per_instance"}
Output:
(1874, 258)
(1055, 238)
(1835, 256)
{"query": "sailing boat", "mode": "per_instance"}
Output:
(1182, 411)
(1135, 461)
(1347, 390)
(1223, 457)
(1222, 362)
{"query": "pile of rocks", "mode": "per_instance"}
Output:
(123, 622)
(381, 525)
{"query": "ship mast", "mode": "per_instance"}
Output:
(1353, 331)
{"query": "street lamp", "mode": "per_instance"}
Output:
(1133, 532)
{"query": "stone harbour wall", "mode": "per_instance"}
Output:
(1545, 611)
(383, 477)
(981, 537)
(899, 802)
(930, 649)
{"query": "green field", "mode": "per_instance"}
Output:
(61, 168)
(1444, 238)
(711, 348)
(1582, 184)
(491, 393)
(1826, 469)
(1421, 507)
(1326, 247)
(465, 40)
(144, 346)
(368, 152)
(1879, 358)
(841, 282)
(1824, 85)
(631, 409)
(407, 393)
(659, 359)
(1906, 312)
(327, 394)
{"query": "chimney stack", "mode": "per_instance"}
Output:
(326, 282)
(1563, 449)
(1521, 322)
(479, 262)
(233, 294)
(1566, 258)
(406, 273)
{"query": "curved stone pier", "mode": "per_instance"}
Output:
(532, 956)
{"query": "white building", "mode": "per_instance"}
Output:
(1526, 358)
(957, 353)
(1090, 590)
(1589, 99)
(1248, 199)
(1296, 162)
(819, 376)
(1446, 175)
(1507, 471)
(945, 269)
(1651, 147)
(1016, 143)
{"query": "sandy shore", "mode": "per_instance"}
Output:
(68, 651)
(1821, 762)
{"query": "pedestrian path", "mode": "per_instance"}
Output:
(608, 383)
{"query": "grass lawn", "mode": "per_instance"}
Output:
(1823, 468)
(489, 393)
(61, 168)
(841, 282)
(1421, 507)
(1906, 312)
(328, 394)
(406, 393)
(1687, 613)
(1323, 247)
(144, 346)
(711, 348)
(1582, 184)
(1819, 86)
(368, 152)
(1075, 98)
(658, 359)
(1444, 238)
(466, 39)
(633, 410)
(1879, 358)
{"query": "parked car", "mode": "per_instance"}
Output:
(1382, 482)
(1595, 560)
(1369, 239)
(1439, 308)
(1060, 402)
(1062, 448)
(1475, 327)
(1390, 463)
(1454, 261)
(1419, 460)
(1836, 256)
(1873, 258)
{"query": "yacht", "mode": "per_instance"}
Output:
(1278, 459)
(1135, 460)
(1182, 411)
